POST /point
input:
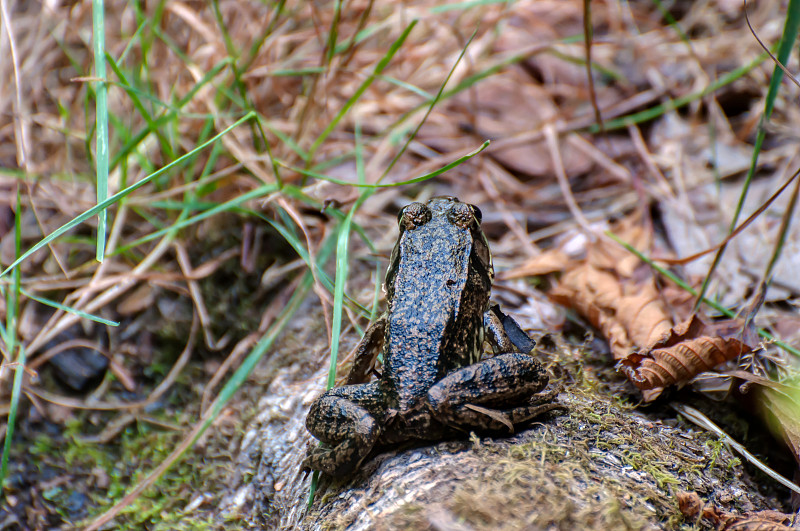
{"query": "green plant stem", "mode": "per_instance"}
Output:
(101, 121)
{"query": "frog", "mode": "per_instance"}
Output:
(434, 383)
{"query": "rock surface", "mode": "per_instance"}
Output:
(601, 465)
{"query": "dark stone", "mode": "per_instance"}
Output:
(80, 369)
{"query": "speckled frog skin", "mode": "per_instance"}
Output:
(433, 383)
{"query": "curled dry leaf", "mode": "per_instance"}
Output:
(615, 291)
(683, 352)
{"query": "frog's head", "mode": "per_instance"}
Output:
(444, 233)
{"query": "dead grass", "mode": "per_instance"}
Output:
(192, 250)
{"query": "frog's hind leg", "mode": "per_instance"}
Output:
(342, 418)
(492, 395)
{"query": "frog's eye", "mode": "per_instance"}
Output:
(477, 213)
(400, 215)
(413, 216)
(460, 215)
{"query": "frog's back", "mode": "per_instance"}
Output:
(436, 310)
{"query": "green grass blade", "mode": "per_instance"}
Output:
(297, 72)
(360, 37)
(419, 179)
(333, 34)
(430, 108)
(408, 86)
(673, 23)
(69, 309)
(291, 144)
(298, 247)
(297, 193)
(249, 363)
(466, 5)
(166, 146)
(163, 120)
(133, 39)
(658, 110)
(312, 491)
(463, 85)
(342, 269)
(121, 194)
(232, 385)
(788, 38)
(101, 121)
(342, 266)
(362, 178)
(232, 204)
(382, 64)
(16, 392)
(259, 42)
(11, 344)
(492, 69)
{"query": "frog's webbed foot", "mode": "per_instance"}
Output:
(504, 333)
(342, 419)
(492, 395)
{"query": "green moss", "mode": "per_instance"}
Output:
(105, 473)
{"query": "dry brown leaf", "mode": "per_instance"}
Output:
(615, 291)
(547, 262)
(606, 254)
(691, 505)
(683, 352)
(761, 521)
(627, 315)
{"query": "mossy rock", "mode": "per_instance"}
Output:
(602, 465)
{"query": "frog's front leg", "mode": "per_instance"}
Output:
(504, 333)
(344, 418)
(367, 352)
(492, 395)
